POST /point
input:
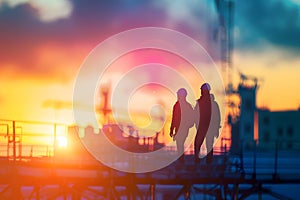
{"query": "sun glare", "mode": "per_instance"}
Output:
(62, 141)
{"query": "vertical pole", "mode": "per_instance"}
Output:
(14, 141)
(20, 144)
(204, 189)
(242, 156)
(54, 142)
(8, 140)
(259, 191)
(31, 151)
(275, 160)
(152, 190)
(254, 161)
(222, 146)
(225, 191)
(236, 196)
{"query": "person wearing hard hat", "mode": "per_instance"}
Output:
(182, 121)
(203, 118)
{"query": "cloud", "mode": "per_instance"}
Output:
(270, 21)
(197, 19)
(296, 2)
(183, 11)
(25, 39)
(47, 11)
(29, 47)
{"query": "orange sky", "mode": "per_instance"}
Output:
(23, 96)
(278, 76)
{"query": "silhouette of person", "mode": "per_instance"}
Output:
(203, 118)
(182, 121)
(213, 129)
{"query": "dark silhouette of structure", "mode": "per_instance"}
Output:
(131, 143)
(182, 121)
(74, 173)
(105, 110)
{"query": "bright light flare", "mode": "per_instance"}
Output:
(62, 141)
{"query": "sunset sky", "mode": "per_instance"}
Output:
(44, 43)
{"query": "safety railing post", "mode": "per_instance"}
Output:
(254, 160)
(275, 175)
(242, 156)
(14, 141)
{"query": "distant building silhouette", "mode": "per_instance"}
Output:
(243, 125)
(279, 126)
(261, 128)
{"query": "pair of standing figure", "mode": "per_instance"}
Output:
(206, 116)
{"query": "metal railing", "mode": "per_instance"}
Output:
(20, 140)
(272, 163)
(27, 139)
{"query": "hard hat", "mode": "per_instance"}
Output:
(182, 92)
(205, 86)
